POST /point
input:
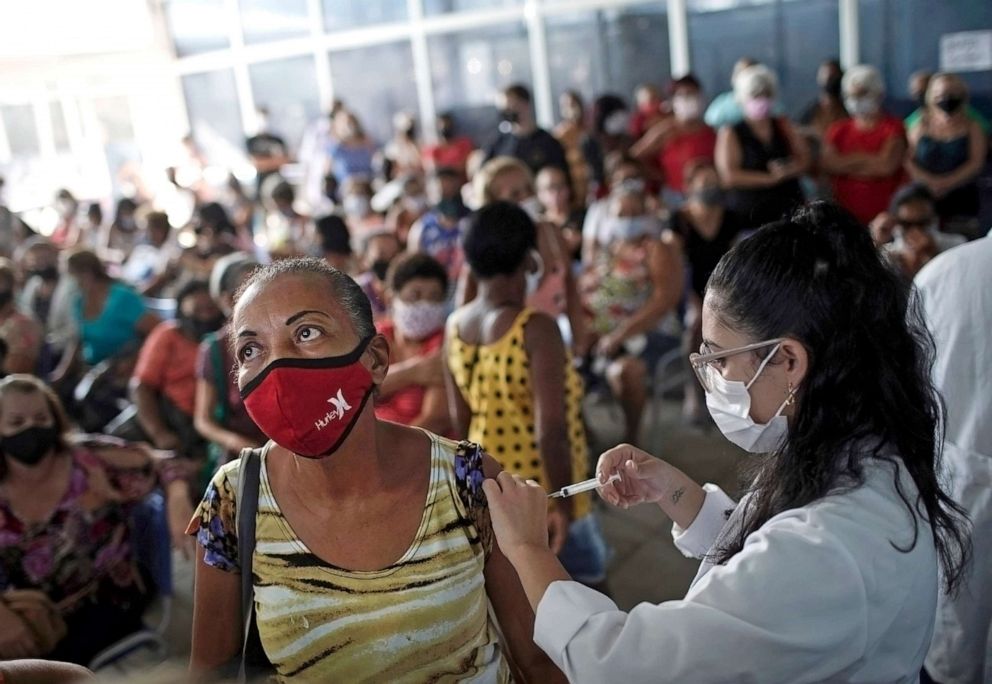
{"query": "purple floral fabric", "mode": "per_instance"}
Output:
(79, 554)
(469, 475)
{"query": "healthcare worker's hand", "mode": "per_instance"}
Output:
(643, 478)
(519, 513)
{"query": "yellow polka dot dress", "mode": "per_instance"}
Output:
(495, 381)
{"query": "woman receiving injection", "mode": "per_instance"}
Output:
(826, 570)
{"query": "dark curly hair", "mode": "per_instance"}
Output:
(817, 278)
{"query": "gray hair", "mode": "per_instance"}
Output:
(755, 79)
(863, 77)
(346, 292)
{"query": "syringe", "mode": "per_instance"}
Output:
(584, 486)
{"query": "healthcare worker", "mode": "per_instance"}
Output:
(956, 291)
(827, 568)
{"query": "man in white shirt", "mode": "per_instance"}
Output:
(956, 292)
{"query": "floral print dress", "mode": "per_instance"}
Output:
(80, 557)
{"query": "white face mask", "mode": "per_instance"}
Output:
(729, 404)
(534, 277)
(686, 107)
(617, 123)
(418, 320)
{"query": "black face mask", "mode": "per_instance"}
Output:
(48, 273)
(832, 86)
(510, 116)
(30, 445)
(950, 104)
(380, 267)
(446, 132)
(6, 296)
(198, 328)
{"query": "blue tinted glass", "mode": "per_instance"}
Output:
(432, 7)
(263, 20)
(197, 25)
(343, 14)
(469, 68)
(214, 114)
(22, 133)
(288, 89)
(376, 99)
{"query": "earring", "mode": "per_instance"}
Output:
(791, 399)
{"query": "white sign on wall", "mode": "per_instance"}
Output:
(966, 51)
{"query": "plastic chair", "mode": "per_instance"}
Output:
(153, 547)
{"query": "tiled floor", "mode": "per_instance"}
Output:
(645, 565)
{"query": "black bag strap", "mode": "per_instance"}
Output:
(252, 655)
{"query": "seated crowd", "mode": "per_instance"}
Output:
(501, 279)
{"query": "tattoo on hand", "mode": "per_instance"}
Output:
(677, 494)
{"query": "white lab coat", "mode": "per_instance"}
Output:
(956, 292)
(818, 594)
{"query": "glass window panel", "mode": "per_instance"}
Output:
(343, 14)
(811, 30)
(288, 89)
(22, 132)
(60, 132)
(608, 51)
(197, 25)
(114, 116)
(904, 36)
(792, 37)
(468, 69)
(375, 82)
(263, 20)
(433, 7)
(214, 114)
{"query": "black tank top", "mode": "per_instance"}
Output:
(760, 206)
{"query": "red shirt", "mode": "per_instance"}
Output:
(167, 364)
(865, 197)
(682, 149)
(452, 154)
(404, 406)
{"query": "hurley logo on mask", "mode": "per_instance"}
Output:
(281, 400)
(341, 406)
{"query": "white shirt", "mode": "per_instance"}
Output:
(956, 292)
(817, 594)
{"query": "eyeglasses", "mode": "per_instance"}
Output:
(701, 361)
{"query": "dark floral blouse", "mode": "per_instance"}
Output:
(80, 555)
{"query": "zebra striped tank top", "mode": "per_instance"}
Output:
(423, 618)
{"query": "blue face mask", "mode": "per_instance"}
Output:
(631, 227)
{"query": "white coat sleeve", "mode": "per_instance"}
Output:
(790, 607)
(696, 540)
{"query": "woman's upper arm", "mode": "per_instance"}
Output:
(216, 616)
(205, 401)
(727, 154)
(513, 611)
(800, 150)
(665, 264)
(978, 144)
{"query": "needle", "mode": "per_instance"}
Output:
(584, 486)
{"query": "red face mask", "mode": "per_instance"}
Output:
(310, 405)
